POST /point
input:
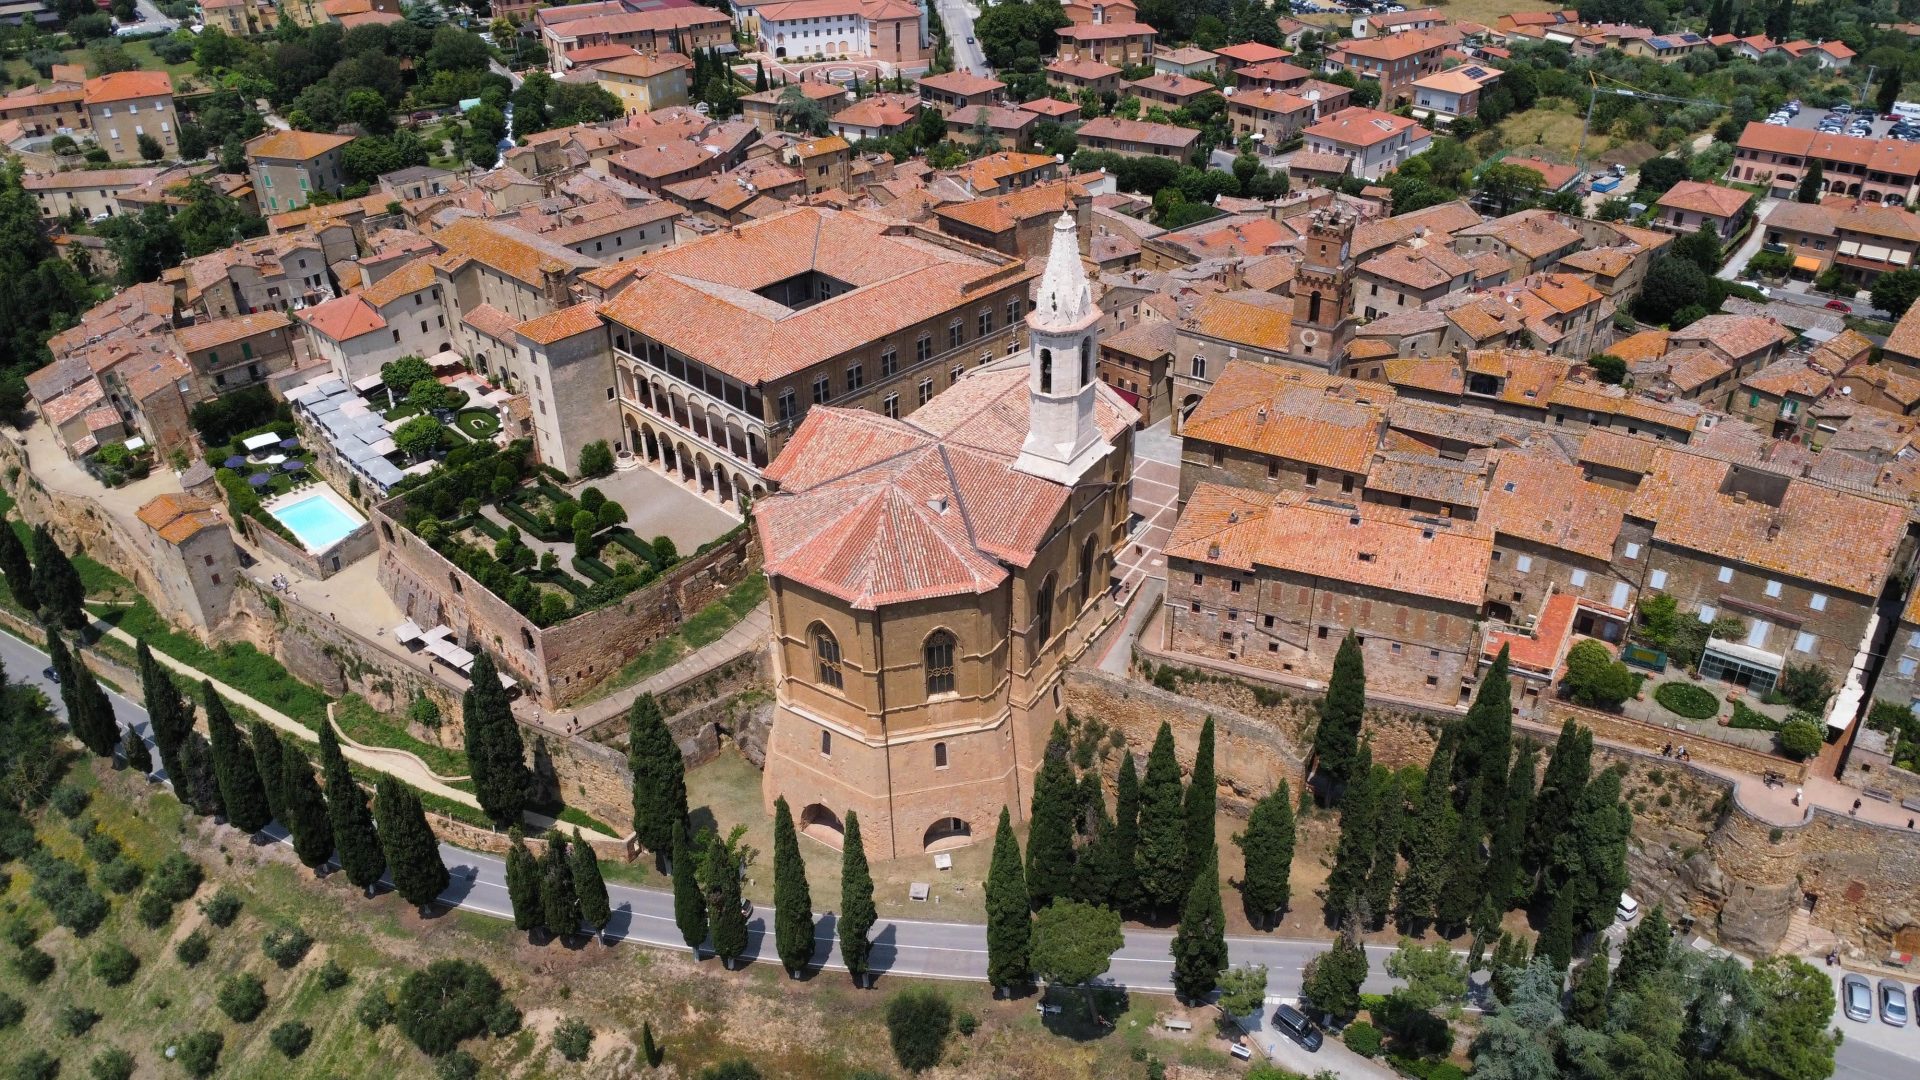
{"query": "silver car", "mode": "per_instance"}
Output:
(1856, 998)
(1893, 1003)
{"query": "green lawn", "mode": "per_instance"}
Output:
(364, 724)
(478, 423)
(238, 664)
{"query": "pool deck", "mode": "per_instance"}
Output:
(321, 490)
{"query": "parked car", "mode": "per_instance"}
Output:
(1300, 1029)
(1856, 998)
(1893, 1003)
(1628, 910)
(50, 674)
(1841, 306)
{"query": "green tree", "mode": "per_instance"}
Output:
(857, 914)
(918, 1021)
(233, 766)
(1486, 737)
(1336, 739)
(1520, 1038)
(1566, 777)
(495, 753)
(1430, 842)
(1201, 805)
(267, 766)
(1894, 292)
(523, 884)
(17, 567)
(1161, 859)
(1555, 944)
(724, 909)
(1889, 91)
(1466, 869)
(89, 713)
(1510, 828)
(1390, 824)
(792, 899)
(1590, 853)
(1331, 980)
(57, 583)
(659, 777)
(1267, 848)
(1200, 942)
(134, 748)
(1009, 911)
(1097, 869)
(596, 459)
(1243, 990)
(559, 903)
(1050, 824)
(1588, 1006)
(1074, 943)
(1353, 854)
(1434, 974)
(689, 905)
(1812, 185)
(306, 821)
(197, 785)
(1126, 833)
(589, 886)
(420, 436)
(1791, 1036)
(407, 841)
(354, 839)
(1646, 952)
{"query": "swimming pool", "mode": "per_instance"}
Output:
(319, 522)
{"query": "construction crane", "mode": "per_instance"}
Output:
(1626, 90)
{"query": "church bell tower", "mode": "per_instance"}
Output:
(1323, 292)
(1063, 439)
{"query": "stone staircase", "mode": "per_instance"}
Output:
(1804, 938)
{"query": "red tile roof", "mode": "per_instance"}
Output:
(128, 86)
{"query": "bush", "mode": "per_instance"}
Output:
(917, 1024)
(1807, 686)
(291, 1039)
(966, 1022)
(199, 1053)
(115, 964)
(332, 976)
(153, 910)
(222, 907)
(121, 875)
(574, 1039)
(35, 1065)
(101, 847)
(76, 1020)
(596, 459)
(21, 932)
(445, 1002)
(1362, 1038)
(286, 945)
(1595, 679)
(1688, 700)
(192, 949)
(242, 997)
(69, 800)
(1800, 739)
(112, 1063)
(503, 1019)
(736, 1069)
(375, 1011)
(32, 964)
(12, 1010)
(177, 878)
(458, 1065)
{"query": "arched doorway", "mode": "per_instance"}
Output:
(823, 825)
(946, 834)
(724, 485)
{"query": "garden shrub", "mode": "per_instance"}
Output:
(21, 932)
(918, 1021)
(177, 878)
(1362, 1038)
(1800, 738)
(69, 800)
(115, 964)
(76, 1020)
(332, 976)
(101, 847)
(35, 1064)
(222, 907)
(112, 1063)
(192, 949)
(32, 964)
(291, 1039)
(242, 997)
(503, 1019)
(444, 1003)
(286, 945)
(1750, 719)
(458, 1065)
(121, 875)
(199, 1053)
(12, 1011)
(62, 886)
(574, 1039)
(375, 1010)
(1688, 700)
(153, 910)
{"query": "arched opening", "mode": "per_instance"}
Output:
(686, 462)
(723, 485)
(1086, 360)
(937, 656)
(939, 755)
(1089, 557)
(454, 580)
(823, 825)
(1046, 371)
(386, 530)
(946, 834)
(826, 657)
(1043, 615)
(526, 639)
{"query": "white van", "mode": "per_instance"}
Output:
(1629, 909)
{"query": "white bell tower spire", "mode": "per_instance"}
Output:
(1062, 438)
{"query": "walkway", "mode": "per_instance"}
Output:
(746, 636)
(1736, 265)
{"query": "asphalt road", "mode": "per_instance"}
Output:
(933, 950)
(958, 20)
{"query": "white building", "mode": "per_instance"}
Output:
(1374, 142)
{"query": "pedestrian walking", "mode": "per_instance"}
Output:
(1796, 795)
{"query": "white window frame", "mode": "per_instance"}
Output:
(1657, 580)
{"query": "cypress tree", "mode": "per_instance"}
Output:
(1889, 91)
(1126, 833)
(1509, 957)
(1813, 184)
(197, 785)
(306, 819)
(648, 1048)
(659, 776)
(233, 767)
(723, 903)
(164, 705)
(1589, 1005)
(1430, 842)
(407, 841)
(495, 752)
(1466, 871)
(353, 837)
(56, 583)
(1510, 828)
(760, 78)
(559, 903)
(17, 567)
(1160, 859)
(1202, 799)
(60, 660)
(1646, 952)
(134, 749)
(89, 713)
(1389, 824)
(1200, 942)
(1353, 854)
(1560, 786)
(1267, 846)
(1555, 943)
(1336, 740)
(272, 771)
(1590, 854)
(1050, 825)
(689, 906)
(523, 884)
(589, 886)
(1009, 911)
(1486, 738)
(857, 915)
(792, 898)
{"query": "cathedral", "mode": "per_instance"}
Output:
(930, 575)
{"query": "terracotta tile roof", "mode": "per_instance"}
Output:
(1566, 293)
(1796, 216)
(88, 178)
(1452, 82)
(177, 518)
(877, 511)
(1818, 534)
(1138, 131)
(208, 335)
(1546, 647)
(1370, 350)
(1275, 71)
(1293, 414)
(1903, 389)
(1791, 376)
(1690, 369)
(642, 65)
(1390, 46)
(1484, 319)
(1892, 222)
(1427, 267)
(492, 322)
(519, 255)
(1166, 82)
(1534, 234)
(1359, 543)
(1614, 401)
(1905, 338)
(1148, 340)
(1090, 70)
(1617, 450)
(1873, 155)
(1426, 476)
(344, 318)
(294, 145)
(1275, 102)
(1736, 336)
(1645, 345)
(1710, 199)
(1550, 502)
(76, 401)
(963, 84)
(1257, 320)
(1252, 52)
(1606, 262)
(998, 213)
(1361, 126)
(410, 278)
(128, 86)
(1440, 220)
(1051, 107)
(875, 112)
(1106, 31)
(565, 323)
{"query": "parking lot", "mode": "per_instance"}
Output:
(1811, 115)
(1904, 1040)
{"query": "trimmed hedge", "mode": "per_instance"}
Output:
(529, 526)
(593, 568)
(1688, 700)
(485, 524)
(624, 537)
(243, 502)
(556, 577)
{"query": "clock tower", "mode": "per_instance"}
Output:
(1323, 292)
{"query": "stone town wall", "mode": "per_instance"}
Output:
(1621, 729)
(332, 657)
(474, 838)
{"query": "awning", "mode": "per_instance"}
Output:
(1129, 397)
(1849, 247)
(259, 442)
(1895, 256)
(406, 631)
(1809, 263)
(1875, 252)
(368, 383)
(506, 681)
(136, 444)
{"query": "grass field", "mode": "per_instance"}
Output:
(1552, 128)
(142, 51)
